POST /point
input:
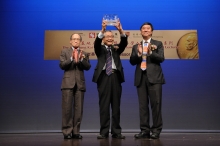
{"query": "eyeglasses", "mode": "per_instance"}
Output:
(76, 39)
(109, 36)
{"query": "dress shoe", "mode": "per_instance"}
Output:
(77, 136)
(142, 135)
(67, 137)
(102, 136)
(118, 136)
(155, 136)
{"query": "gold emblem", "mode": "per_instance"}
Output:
(187, 46)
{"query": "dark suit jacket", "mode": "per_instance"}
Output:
(100, 51)
(154, 70)
(73, 73)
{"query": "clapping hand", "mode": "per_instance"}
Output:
(139, 48)
(81, 55)
(75, 55)
(149, 48)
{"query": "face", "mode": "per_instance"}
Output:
(146, 31)
(75, 41)
(190, 42)
(108, 38)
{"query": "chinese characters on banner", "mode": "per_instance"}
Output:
(178, 44)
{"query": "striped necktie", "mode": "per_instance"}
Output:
(108, 62)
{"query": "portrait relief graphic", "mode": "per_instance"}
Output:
(187, 46)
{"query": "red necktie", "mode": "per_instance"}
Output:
(76, 55)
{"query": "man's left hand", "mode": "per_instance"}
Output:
(119, 27)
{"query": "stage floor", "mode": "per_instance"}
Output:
(90, 139)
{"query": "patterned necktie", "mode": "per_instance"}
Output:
(108, 62)
(144, 57)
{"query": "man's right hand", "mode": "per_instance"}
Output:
(139, 48)
(73, 54)
(104, 24)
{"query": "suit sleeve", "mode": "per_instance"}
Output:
(123, 44)
(158, 54)
(65, 62)
(85, 63)
(98, 46)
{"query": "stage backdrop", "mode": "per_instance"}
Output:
(178, 44)
(30, 95)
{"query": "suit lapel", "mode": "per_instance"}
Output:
(113, 52)
(152, 41)
(70, 51)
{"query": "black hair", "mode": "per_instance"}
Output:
(147, 23)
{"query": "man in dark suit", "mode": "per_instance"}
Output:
(147, 56)
(109, 75)
(73, 61)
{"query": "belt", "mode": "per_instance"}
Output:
(113, 70)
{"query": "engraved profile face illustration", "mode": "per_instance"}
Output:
(191, 41)
(187, 46)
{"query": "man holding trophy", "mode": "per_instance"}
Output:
(109, 75)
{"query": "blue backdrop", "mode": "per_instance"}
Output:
(30, 96)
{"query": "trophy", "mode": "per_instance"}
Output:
(111, 19)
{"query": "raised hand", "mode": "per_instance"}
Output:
(119, 26)
(104, 24)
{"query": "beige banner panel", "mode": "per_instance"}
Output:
(178, 44)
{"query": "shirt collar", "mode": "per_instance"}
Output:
(148, 41)
(76, 48)
(108, 47)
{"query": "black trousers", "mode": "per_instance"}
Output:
(150, 93)
(109, 88)
(72, 110)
